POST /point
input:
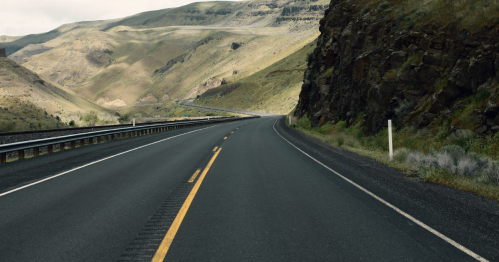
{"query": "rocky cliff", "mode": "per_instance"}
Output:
(369, 67)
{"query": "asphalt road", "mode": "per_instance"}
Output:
(255, 197)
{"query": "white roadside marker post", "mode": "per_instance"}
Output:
(134, 122)
(390, 144)
(289, 119)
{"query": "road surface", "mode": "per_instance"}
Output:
(250, 190)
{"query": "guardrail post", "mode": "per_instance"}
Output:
(73, 144)
(20, 154)
(62, 146)
(36, 151)
(3, 158)
(50, 149)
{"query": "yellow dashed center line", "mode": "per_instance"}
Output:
(215, 149)
(225, 137)
(170, 235)
(194, 176)
(232, 132)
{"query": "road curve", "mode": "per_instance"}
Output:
(251, 190)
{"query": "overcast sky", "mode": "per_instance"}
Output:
(23, 17)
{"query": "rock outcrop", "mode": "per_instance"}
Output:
(368, 68)
(2, 52)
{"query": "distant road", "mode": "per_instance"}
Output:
(190, 103)
(250, 190)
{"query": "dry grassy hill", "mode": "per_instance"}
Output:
(274, 89)
(168, 55)
(28, 102)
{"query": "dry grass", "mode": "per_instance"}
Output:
(23, 86)
(273, 89)
(20, 115)
(118, 62)
(469, 184)
(452, 166)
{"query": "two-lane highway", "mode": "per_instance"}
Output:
(244, 191)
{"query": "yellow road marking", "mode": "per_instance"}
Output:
(215, 149)
(232, 132)
(194, 176)
(170, 235)
(225, 137)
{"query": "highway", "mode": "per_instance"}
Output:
(251, 190)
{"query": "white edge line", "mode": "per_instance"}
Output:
(423, 225)
(89, 164)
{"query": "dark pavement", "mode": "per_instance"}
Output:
(261, 200)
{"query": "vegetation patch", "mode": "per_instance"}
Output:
(20, 115)
(460, 160)
(465, 14)
(329, 71)
(414, 58)
(221, 90)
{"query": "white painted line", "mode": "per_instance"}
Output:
(89, 164)
(423, 225)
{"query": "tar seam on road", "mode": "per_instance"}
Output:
(95, 162)
(423, 225)
(194, 176)
(172, 231)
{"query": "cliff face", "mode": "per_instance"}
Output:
(368, 68)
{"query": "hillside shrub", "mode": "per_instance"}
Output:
(90, 118)
(303, 123)
(340, 141)
(329, 71)
(455, 159)
(404, 109)
(482, 95)
(124, 118)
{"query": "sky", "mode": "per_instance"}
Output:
(23, 17)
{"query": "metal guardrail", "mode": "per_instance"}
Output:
(100, 136)
(93, 127)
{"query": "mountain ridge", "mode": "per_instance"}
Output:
(113, 62)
